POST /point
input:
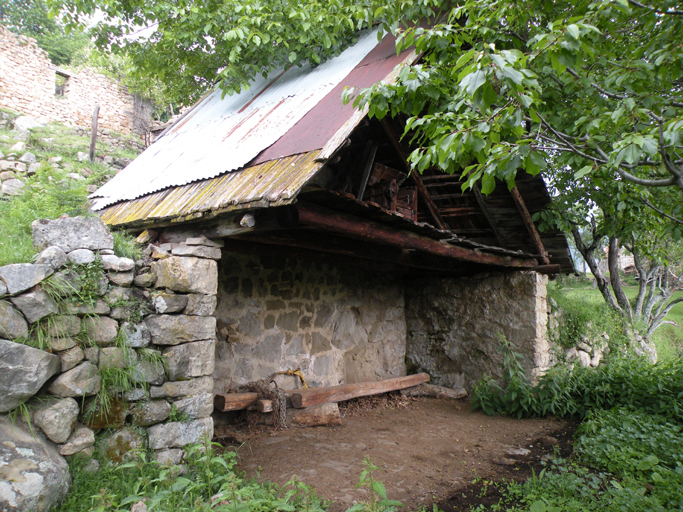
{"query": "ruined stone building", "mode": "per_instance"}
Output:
(30, 84)
(336, 260)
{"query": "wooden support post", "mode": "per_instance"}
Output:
(481, 201)
(315, 396)
(368, 160)
(529, 224)
(422, 190)
(93, 132)
(363, 229)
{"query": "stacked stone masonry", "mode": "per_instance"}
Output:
(337, 324)
(27, 84)
(152, 319)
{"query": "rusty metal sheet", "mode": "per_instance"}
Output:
(220, 135)
(273, 183)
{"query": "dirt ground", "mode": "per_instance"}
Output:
(429, 450)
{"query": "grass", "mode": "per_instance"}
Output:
(50, 192)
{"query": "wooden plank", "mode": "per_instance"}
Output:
(355, 227)
(369, 160)
(422, 190)
(529, 224)
(489, 218)
(93, 132)
(234, 401)
(326, 414)
(314, 396)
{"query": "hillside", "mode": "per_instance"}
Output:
(45, 172)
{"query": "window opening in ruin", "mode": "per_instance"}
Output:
(60, 84)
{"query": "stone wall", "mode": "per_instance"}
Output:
(338, 324)
(151, 319)
(455, 325)
(27, 85)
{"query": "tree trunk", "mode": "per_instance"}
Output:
(600, 280)
(615, 278)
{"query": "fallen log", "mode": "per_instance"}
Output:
(435, 392)
(315, 416)
(302, 398)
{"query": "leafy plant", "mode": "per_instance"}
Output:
(378, 493)
(125, 246)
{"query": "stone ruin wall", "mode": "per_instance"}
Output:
(27, 85)
(337, 324)
(455, 325)
(147, 311)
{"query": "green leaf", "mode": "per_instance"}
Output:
(538, 506)
(473, 81)
(583, 172)
(573, 31)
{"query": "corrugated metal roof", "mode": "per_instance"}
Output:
(223, 134)
(273, 183)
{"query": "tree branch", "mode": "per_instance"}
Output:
(647, 203)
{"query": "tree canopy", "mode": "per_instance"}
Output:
(32, 18)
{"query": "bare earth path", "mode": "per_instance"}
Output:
(428, 449)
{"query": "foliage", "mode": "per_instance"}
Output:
(192, 46)
(575, 392)
(637, 446)
(580, 318)
(125, 246)
(31, 18)
(211, 483)
(378, 493)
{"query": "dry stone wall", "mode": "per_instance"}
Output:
(455, 325)
(148, 319)
(27, 84)
(337, 324)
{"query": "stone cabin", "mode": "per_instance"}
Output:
(334, 258)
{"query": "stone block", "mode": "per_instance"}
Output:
(60, 344)
(84, 380)
(81, 256)
(23, 371)
(135, 395)
(82, 438)
(66, 282)
(64, 326)
(187, 274)
(20, 277)
(70, 358)
(136, 335)
(35, 304)
(182, 388)
(115, 357)
(124, 279)
(177, 434)
(200, 305)
(145, 280)
(101, 330)
(120, 445)
(3, 289)
(52, 256)
(189, 360)
(99, 308)
(13, 187)
(118, 294)
(12, 323)
(35, 477)
(57, 418)
(200, 251)
(146, 414)
(202, 240)
(92, 354)
(196, 406)
(169, 303)
(171, 457)
(72, 233)
(175, 329)
(149, 372)
(111, 262)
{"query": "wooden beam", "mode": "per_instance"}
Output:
(435, 392)
(359, 253)
(489, 218)
(529, 224)
(422, 190)
(355, 227)
(368, 160)
(234, 401)
(548, 269)
(316, 396)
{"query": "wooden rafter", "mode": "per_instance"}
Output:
(489, 218)
(529, 224)
(354, 227)
(421, 189)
